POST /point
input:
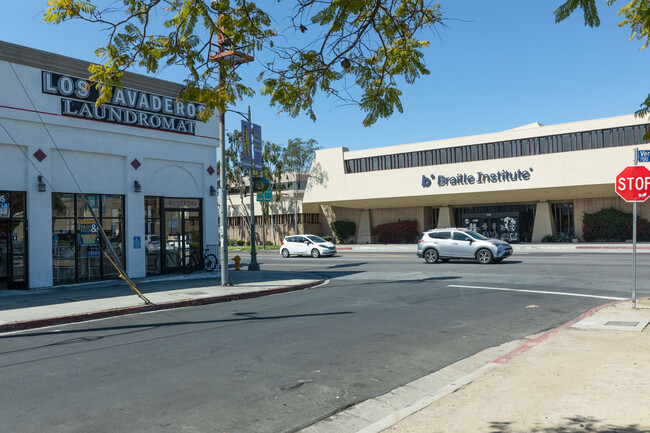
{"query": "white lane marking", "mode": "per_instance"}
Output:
(543, 292)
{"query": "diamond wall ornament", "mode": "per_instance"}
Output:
(135, 164)
(40, 155)
(210, 170)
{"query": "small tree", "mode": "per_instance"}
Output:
(298, 156)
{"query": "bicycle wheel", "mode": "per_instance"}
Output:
(187, 264)
(209, 262)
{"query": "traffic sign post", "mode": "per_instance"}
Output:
(633, 185)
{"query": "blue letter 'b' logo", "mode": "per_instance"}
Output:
(426, 182)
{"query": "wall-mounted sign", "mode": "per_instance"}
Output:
(127, 107)
(137, 242)
(182, 203)
(478, 178)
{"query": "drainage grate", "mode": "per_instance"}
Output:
(619, 323)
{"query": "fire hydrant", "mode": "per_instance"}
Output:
(236, 259)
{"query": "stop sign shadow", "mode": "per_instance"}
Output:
(633, 183)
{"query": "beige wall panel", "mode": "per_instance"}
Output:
(385, 216)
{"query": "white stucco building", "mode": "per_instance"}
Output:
(143, 162)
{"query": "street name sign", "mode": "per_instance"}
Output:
(633, 183)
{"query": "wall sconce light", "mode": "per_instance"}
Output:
(213, 191)
(136, 186)
(41, 185)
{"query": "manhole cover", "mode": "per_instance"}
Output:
(620, 323)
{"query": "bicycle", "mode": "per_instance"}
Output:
(206, 261)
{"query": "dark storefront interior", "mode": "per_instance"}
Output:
(172, 230)
(13, 240)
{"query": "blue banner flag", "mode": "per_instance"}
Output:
(246, 154)
(257, 146)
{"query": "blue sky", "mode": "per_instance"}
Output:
(495, 65)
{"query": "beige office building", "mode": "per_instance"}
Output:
(519, 185)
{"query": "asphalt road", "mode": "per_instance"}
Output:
(280, 363)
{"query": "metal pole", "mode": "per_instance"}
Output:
(253, 265)
(223, 215)
(636, 161)
(295, 207)
(263, 218)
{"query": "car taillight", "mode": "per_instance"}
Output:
(421, 240)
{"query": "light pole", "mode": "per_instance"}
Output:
(235, 58)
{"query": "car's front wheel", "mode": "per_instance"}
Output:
(285, 253)
(315, 253)
(484, 256)
(431, 256)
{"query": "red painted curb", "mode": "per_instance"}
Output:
(605, 247)
(532, 343)
(76, 318)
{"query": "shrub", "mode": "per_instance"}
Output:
(396, 233)
(232, 242)
(328, 238)
(549, 238)
(613, 225)
(240, 243)
(343, 229)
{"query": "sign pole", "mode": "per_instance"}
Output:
(636, 161)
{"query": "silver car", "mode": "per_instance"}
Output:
(306, 245)
(459, 243)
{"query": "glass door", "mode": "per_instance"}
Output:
(174, 241)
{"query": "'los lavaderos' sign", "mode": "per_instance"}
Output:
(127, 106)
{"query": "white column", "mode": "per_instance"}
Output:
(445, 217)
(134, 213)
(544, 224)
(39, 221)
(363, 233)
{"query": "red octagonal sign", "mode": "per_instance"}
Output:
(633, 183)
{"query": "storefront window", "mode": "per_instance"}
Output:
(13, 237)
(77, 245)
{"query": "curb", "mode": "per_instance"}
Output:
(76, 318)
(535, 341)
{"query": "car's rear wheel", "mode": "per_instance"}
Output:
(431, 256)
(315, 253)
(285, 253)
(484, 256)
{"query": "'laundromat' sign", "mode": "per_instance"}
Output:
(127, 106)
(479, 178)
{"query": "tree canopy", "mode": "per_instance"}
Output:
(306, 47)
(636, 15)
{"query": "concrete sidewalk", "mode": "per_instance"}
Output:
(588, 375)
(67, 304)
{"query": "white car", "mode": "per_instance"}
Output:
(152, 243)
(306, 245)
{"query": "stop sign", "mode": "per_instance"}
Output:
(633, 183)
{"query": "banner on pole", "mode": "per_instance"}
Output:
(257, 146)
(246, 154)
